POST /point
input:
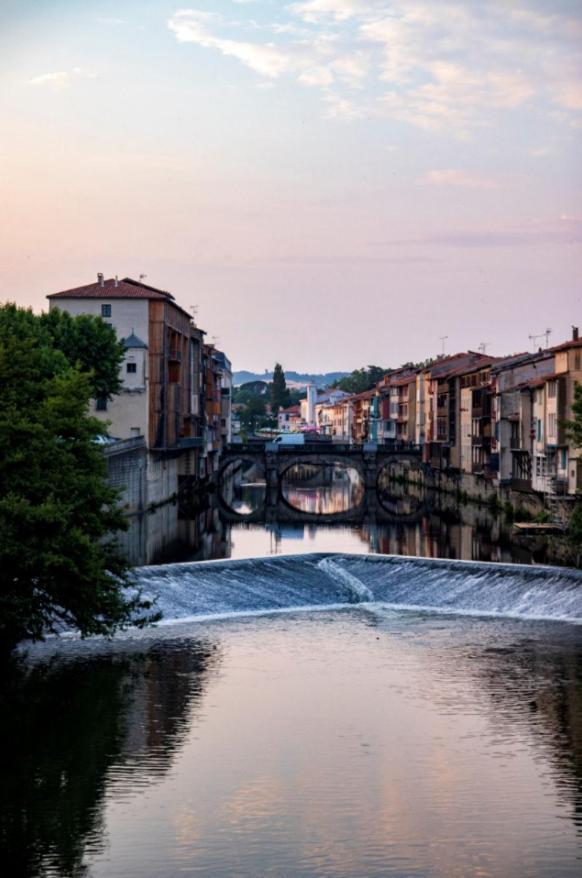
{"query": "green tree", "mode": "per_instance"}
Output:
(362, 379)
(90, 342)
(253, 413)
(59, 563)
(279, 392)
(574, 426)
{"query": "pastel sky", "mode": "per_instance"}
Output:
(331, 182)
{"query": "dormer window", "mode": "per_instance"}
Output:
(132, 367)
(106, 310)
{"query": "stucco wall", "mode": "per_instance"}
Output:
(127, 315)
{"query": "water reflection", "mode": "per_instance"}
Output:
(322, 490)
(71, 732)
(361, 743)
(539, 685)
(391, 521)
(242, 486)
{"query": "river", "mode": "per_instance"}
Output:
(329, 713)
(433, 525)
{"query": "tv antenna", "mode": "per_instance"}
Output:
(142, 276)
(443, 339)
(483, 346)
(534, 338)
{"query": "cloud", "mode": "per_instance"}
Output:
(457, 178)
(312, 63)
(59, 79)
(62, 78)
(440, 66)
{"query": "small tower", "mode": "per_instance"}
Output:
(311, 399)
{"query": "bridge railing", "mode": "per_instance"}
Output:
(323, 447)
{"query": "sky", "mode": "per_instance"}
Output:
(330, 183)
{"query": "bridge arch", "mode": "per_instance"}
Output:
(228, 504)
(287, 462)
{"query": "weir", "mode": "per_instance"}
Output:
(211, 589)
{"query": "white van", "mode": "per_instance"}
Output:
(289, 439)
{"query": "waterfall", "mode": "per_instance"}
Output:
(210, 589)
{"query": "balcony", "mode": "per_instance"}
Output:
(175, 355)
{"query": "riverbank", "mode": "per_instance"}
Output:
(507, 505)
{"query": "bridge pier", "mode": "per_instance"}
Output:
(370, 459)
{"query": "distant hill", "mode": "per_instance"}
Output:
(294, 379)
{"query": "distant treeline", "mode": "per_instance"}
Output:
(320, 379)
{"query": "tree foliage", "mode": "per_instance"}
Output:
(279, 391)
(90, 342)
(59, 563)
(361, 379)
(574, 426)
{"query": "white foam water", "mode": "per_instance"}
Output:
(219, 589)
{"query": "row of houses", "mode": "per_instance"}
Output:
(501, 418)
(175, 400)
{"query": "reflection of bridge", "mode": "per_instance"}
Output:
(368, 459)
(370, 510)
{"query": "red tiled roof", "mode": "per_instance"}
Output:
(365, 394)
(290, 410)
(125, 289)
(539, 382)
(401, 382)
(573, 343)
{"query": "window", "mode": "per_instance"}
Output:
(551, 389)
(101, 404)
(552, 425)
(538, 429)
(132, 367)
(577, 361)
(106, 310)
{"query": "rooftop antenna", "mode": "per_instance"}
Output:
(142, 276)
(534, 339)
(443, 339)
(547, 334)
(483, 346)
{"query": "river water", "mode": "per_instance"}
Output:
(335, 713)
(441, 528)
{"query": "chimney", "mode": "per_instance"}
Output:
(116, 283)
(100, 278)
(574, 333)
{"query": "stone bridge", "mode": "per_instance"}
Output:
(368, 460)
(275, 460)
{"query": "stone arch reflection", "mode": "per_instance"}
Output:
(322, 489)
(242, 485)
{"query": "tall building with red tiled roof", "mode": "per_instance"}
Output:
(162, 369)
